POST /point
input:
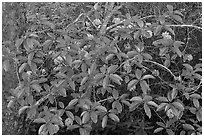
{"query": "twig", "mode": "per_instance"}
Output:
(160, 117)
(157, 76)
(148, 17)
(184, 25)
(19, 81)
(41, 100)
(161, 66)
(105, 99)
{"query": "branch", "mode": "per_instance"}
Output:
(105, 99)
(184, 25)
(150, 16)
(162, 67)
(41, 100)
(16, 65)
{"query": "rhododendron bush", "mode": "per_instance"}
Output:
(107, 70)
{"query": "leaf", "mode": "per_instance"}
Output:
(19, 42)
(177, 50)
(39, 120)
(144, 86)
(132, 83)
(163, 99)
(147, 56)
(134, 105)
(136, 98)
(163, 51)
(114, 117)
(119, 106)
(110, 56)
(188, 127)
(69, 59)
(6, 65)
(178, 105)
(147, 77)
(78, 120)
(86, 117)
(178, 12)
(177, 18)
(47, 44)
(112, 68)
(43, 130)
(42, 80)
(22, 109)
(147, 110)
(52, 129)
(36, 87)
(10, 104)
(169, 96)
(70, 115)
(161, 106)
(51, 98)
(158, 30)
(158, 129)
(61, 104)
(30, 99)
(169, 131)
(93, 68)
(105, 82)
(30, 57)
(62, 92)
(168, 28)
(161, 124)
(140, 23)
(98, 76)
(68, 122)
(196, 103)
(104, 121)
(152, 103)
(174, 93)
(138, 73)
(84, 80)
(94, 116)
(72, 102)
(72, 85)
(131, 54)
(188, 67)
(115, 94)
(60, 75)
(199, 115)
(51, 25)
(33, 67)
(83, 131)
(101, 108)
(29, 43)
(170, 8)
(19, 91)
(115, 78)
(137, 34)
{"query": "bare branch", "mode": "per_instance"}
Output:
(184, 25)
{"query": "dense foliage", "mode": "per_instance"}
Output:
(108, 70)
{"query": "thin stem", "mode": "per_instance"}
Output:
(19, 81)
(184, 25)
(160, 117)
(42, 100)
(105, 99)
(162, 67)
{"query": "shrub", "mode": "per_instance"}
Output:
(106, 68)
